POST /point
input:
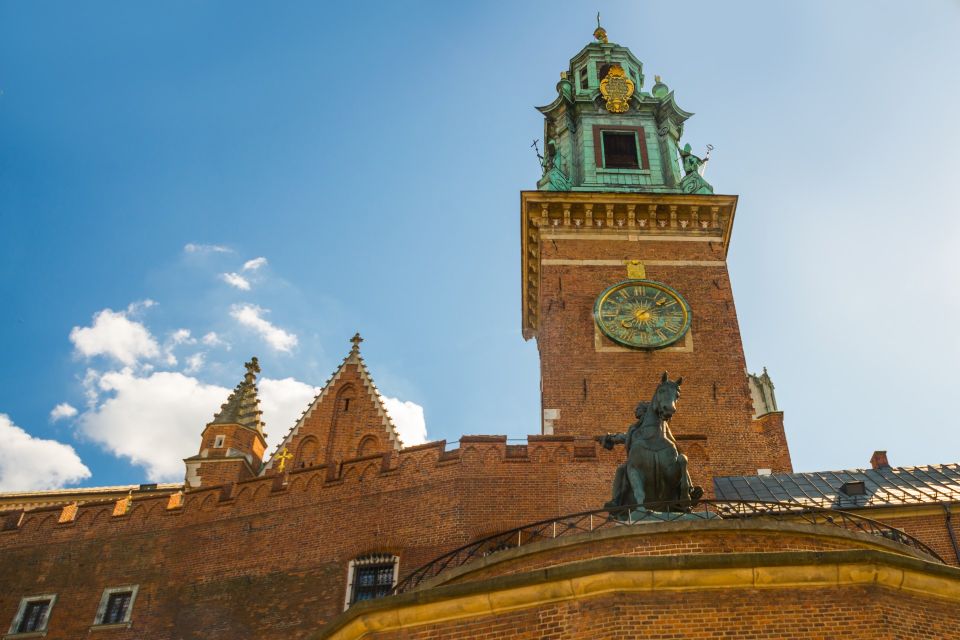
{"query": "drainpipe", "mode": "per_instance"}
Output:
(948, 516)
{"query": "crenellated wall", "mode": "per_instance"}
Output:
(229, 558)
(270, 555)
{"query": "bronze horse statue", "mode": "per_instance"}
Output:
(655, 475)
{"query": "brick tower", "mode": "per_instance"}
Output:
(233, 443)
(624, 271)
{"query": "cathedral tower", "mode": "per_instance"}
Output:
(624, 248)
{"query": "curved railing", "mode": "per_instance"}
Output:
(587, 521)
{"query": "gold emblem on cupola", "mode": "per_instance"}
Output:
(617, 89)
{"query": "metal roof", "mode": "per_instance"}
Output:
(884, 487)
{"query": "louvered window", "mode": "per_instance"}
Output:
(620, 150)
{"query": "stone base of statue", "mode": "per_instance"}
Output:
(695, 184)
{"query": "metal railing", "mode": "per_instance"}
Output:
(587, 521)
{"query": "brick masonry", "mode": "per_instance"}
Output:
(270, 555)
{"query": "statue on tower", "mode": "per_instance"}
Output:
(693, 167)
(552, 164)
(655, 475)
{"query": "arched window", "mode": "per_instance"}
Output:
(371, 576)
(307, 453)
(368, 444)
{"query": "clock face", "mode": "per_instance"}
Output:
(642, 314)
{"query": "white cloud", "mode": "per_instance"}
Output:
(408, 418)
(134, 308)
(62, 411)
(251, 316)
(114, 334)
(282, 402)
(181, 336)
(191, 247)
(253, 265)
(236, 280)
(154, 421)
(195, 362)
(29, 464)
(213, 340)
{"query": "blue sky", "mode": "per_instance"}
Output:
(372, 154)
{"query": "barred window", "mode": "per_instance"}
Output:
(33, 614)
(371, 576)
(116, 605)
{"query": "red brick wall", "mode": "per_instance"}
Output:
(264, 557)
(837, 612)
(222, 472)
(235, 437)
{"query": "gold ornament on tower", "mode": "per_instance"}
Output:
(617, 89)
(600, 34)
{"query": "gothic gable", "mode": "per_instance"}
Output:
(346, 420)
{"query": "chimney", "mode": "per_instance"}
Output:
(879, 460)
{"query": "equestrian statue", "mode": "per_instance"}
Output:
(655, 476)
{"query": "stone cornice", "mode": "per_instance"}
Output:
(676, 573)
(612, 216)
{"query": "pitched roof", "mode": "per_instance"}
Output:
(243, 405)
(881, 487)
(352, 358)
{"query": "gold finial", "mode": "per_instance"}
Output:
(356, 340)
(600, 34)
(656, 78)
(282, 456)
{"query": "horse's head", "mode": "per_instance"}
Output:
(666, 396)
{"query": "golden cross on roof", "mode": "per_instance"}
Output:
(282, 456)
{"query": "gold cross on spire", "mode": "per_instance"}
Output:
(356, 340)
(282, 456)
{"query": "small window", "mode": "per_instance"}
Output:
(33, 614)
(116, 605)
(584, 81)
(603, 68)
(346, 405)
(620, 150)
(218, 442)
(370, 577)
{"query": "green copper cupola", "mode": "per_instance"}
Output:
(603, 132)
